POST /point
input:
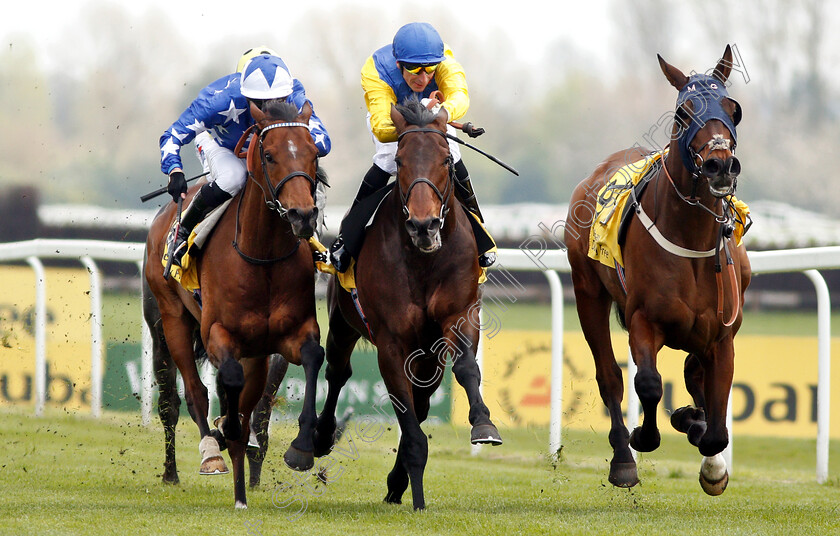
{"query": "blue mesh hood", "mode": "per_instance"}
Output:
(706, 94)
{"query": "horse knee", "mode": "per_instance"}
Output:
(648, 384)
(231, 375)
(312, 354)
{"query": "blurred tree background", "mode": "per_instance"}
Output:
(83, 123)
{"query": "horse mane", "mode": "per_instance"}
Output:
(415, 113)
(280, 110)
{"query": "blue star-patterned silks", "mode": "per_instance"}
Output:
(221, 109)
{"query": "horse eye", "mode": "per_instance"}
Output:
(398, 162)
(269, 158)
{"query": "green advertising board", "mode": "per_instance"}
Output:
(364, 393)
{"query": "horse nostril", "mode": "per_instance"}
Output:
(733, 166)
(712, 167)
(434, 225)
(411, 227)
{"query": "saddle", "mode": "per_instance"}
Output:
(186, 274)
(615, 208)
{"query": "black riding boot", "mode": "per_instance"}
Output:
(206, 199)
(348, 243)
(466, 195)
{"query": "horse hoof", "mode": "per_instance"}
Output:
(623, 474)
(299, 460)
(485, 434)
(392, 498)
(239, 505)
(641, 445)
(324, 443)
(214, 465)
(714, 477)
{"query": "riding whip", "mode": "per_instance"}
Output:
(177, 229)
(152, 195)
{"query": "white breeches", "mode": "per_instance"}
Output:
(226, 169)
(385, 152)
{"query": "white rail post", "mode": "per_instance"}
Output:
(146, 372)
(479, 359)
(823, 371)
(555, 432)
(96, 343)
(632, 397)
(40, 334)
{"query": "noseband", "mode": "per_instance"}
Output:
(450, 184)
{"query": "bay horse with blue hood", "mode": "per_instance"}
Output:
(683, 276)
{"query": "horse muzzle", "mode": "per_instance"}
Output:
(425, 234)
(721, 174)
(303, 222)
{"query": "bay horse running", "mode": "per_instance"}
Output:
(673, 288)
(417, 285)
(257, 281)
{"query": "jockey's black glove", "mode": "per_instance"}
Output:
(472, 131)
(177, 185)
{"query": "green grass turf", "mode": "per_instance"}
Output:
(71, 474)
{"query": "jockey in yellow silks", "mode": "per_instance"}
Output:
(417, 64)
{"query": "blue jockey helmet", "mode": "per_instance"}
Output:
(266, 77)
(418, 42)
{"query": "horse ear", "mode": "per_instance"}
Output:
(256, 113)
(724, 66)
(674, 75)
(305, 112)
(442, 117)
(398, 119)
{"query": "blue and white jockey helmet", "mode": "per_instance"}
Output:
(251, 53)
(418, 42)
(266, 77)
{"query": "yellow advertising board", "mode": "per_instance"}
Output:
(774, 386)
(68, 337)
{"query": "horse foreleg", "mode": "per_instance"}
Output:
(262, 415)
(341, 339)
(718, 366)
(413, 451)
(300, 454)
(645, 342)
(466, 371)
(254, 373)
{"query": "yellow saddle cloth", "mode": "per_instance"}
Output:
(612, 198)
(185, 274)
(348, 278)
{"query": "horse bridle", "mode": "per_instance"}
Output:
(450, 185)
(273, 202)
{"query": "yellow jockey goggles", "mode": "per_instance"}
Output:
(415, 68)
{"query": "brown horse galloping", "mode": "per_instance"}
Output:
(257, 297)
(674, 291)
(417, 282)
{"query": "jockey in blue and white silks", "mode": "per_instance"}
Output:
(216, 120)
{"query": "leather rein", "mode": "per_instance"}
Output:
(724, 235)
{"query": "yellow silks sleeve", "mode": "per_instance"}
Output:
(379, 96)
